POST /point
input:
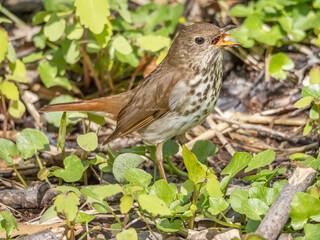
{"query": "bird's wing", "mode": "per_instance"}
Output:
(150, 102)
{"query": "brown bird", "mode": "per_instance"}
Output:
(178, 95)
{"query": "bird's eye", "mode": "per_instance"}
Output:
(199, 40)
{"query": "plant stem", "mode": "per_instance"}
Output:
(13, 17)
(5, 117)
(39, 163)
(194, 202)
(145, 220)
(221, 222)
(174, 169)
(19, 176)
(38, 159)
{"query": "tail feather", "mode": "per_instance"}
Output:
(110, 105)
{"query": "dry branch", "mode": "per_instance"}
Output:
(278, 213)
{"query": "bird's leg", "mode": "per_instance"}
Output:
(159, 160)
(182, 139)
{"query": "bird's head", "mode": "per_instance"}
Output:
(201, 42)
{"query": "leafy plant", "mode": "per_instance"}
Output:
(8, 223)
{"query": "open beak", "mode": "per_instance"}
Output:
(224, 40)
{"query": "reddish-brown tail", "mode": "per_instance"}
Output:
(110, 105)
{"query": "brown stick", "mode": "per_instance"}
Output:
(242, 117)
(278, 213)
(97, 82)
(86, 76)
(222, 139)
(5, 117)
(31, 108)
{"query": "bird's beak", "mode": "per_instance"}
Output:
(222, 41)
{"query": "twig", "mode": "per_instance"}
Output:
(86, 76)
(12, 17)
(5, 117)
(222, 139)
(93, 72)
(256, 118)
(258, 128)
(31, 108)
(278, 213)
(266, 63)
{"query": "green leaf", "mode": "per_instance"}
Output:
(126, 202)
(165, 225)
(39, 17)
(71, 52)
(8, 222)
(254, 208)
(54, 28)
(137, 176)
(62, 132)
(213, 187)
(8, 149)
(11, 54)
(203, 149)
(99, 193)
(74, 31)
(241, 10)
(66, 189)
(73, 169)
(314, 75)
(39, 40)
(307, 128)
(170, 148)
(238, 161)
(49, 214)
(93, 14)
(314, 112)
(122, 45)
(31, 140)
(19, 70)
(9, 90)
(96, 119)
(88, 142)
(130, 58)
(33, 57)
(311, 90)
(153, 205)
(104, 37)
(128, 234)
(67, 205)
(84, 218)
(48, 75)
(196, 171)
(261, 159)
(270, 37)
(4, 43)
(267, 195)
(278, 63)
(303, 102)
(252, 226)
(153, 43)
(162, 190)
(187, 187)
(311, 231)
(304, 206)
(237, 197)
(16, 109)
(123, 163)
(217, 205)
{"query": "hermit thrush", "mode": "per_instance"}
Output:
(178, 95)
